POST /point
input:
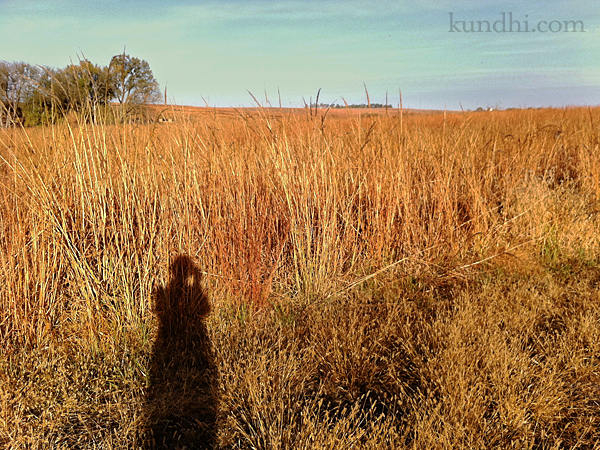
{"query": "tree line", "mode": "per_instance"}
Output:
(32, 95)
(361, 105)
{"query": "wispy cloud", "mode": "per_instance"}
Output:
(221, 48)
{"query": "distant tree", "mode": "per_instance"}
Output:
(40, 106)
(32, 95)
(133, 82)
(17, 84)
(85, 88)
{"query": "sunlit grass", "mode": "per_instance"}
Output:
(424, 282)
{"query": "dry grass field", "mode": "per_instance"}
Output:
(269, 279)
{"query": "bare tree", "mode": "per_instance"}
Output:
(16, 84)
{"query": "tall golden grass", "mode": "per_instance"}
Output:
(377, 280)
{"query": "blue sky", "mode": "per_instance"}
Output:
(218, 50)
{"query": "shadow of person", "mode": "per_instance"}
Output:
(181, 402)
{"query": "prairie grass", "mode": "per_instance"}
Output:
(374, 281)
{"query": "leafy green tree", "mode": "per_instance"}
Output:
(85, 88)
(49, 100)
(133, 82)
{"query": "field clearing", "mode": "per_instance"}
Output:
(274, 279)
(277, 113)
